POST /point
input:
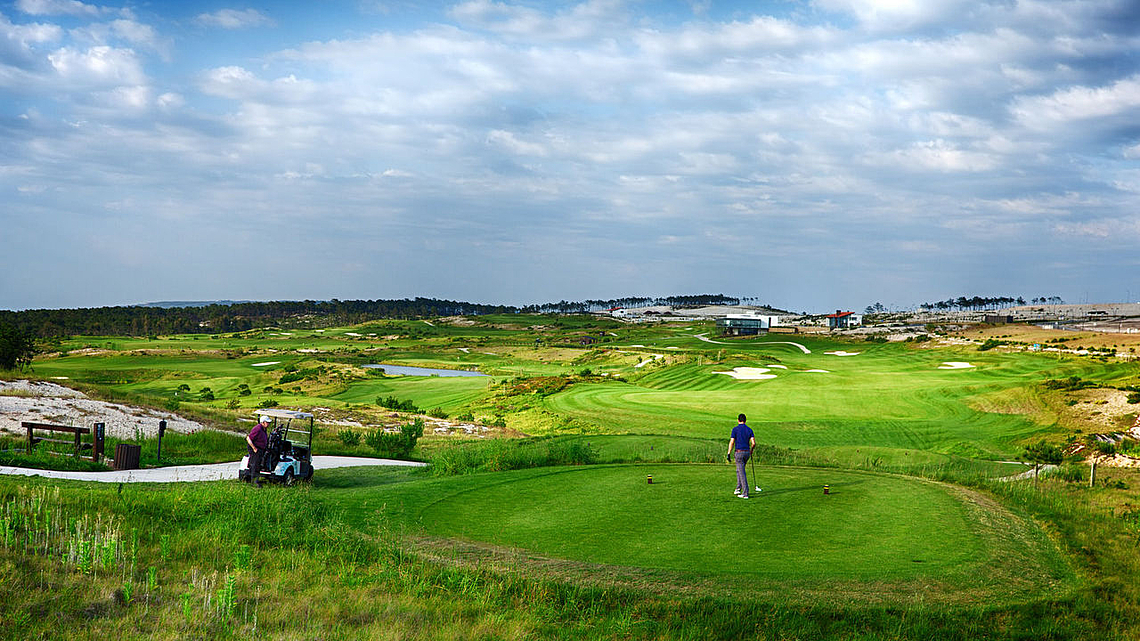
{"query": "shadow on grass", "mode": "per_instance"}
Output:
(807, 488)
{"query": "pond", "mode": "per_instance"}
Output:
(407, 370)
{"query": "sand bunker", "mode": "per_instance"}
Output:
(821, 371)
(843, 353)
(749, 373)
(778, 366)
(353, 334)
(465, 350)
(955, 365)
(265, 363)
(672, 348)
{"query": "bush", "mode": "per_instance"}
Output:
(1134, 397)
(396, 444)
(466, 416)
(393, 403)
(267, 403)
(437, 412)
(349, 437)
(989, 344)
(1070, 384)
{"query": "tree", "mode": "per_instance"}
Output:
(1042, 453)
(17, 347)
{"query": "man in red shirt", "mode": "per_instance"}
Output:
(258, 440)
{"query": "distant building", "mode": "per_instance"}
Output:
(842, 320)
(998, 319)
(745, 324)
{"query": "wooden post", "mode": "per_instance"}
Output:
(1092, 474)
(29, 437)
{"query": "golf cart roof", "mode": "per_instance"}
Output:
(282, 413)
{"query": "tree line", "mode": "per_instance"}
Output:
(976, 303)
(597, 305)
(236, 317)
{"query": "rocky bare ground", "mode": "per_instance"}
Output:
(42, 402)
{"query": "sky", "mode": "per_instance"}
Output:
(817, 154)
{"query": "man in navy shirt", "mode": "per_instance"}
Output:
(740, 448)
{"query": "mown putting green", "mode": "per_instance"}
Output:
(872, 529)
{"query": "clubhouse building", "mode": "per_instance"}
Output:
(745, 324)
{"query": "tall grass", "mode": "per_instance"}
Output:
(497, 455)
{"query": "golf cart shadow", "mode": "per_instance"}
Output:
(835, 488)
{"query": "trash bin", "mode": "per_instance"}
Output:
(127, 456)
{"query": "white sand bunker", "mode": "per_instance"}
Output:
(265, 363)
(749, 373)
(820, 371)
(778, 366)
(843, 353)
(955, 365)
(353, 334)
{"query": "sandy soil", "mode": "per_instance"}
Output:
(50, 403)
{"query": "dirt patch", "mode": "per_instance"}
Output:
(1102, 410)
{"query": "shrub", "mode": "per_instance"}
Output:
(267, 403)
(466, 416)
(396, 444)
(393, 403)
(437, 412)
(989, 344)
(206, 394)
(1134, 397)
(349, 437)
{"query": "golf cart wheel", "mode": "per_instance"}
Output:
(308, 476)
(288, 479)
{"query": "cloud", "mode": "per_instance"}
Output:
(97, 66)
(1080, 103)
(234, 19)
(59, 7)
(580, 21)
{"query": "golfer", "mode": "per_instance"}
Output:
(258, 441)
(740, 447)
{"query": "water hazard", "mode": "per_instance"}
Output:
(407, 370)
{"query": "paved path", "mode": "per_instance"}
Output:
(709, 340)
(187, 473)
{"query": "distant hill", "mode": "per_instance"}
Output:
(168, 304)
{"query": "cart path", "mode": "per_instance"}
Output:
(190, 473)
(706, 339)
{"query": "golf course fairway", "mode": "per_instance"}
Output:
(876, 535)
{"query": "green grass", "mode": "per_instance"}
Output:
(789, 536)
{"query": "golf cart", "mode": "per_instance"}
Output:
(289, 457)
